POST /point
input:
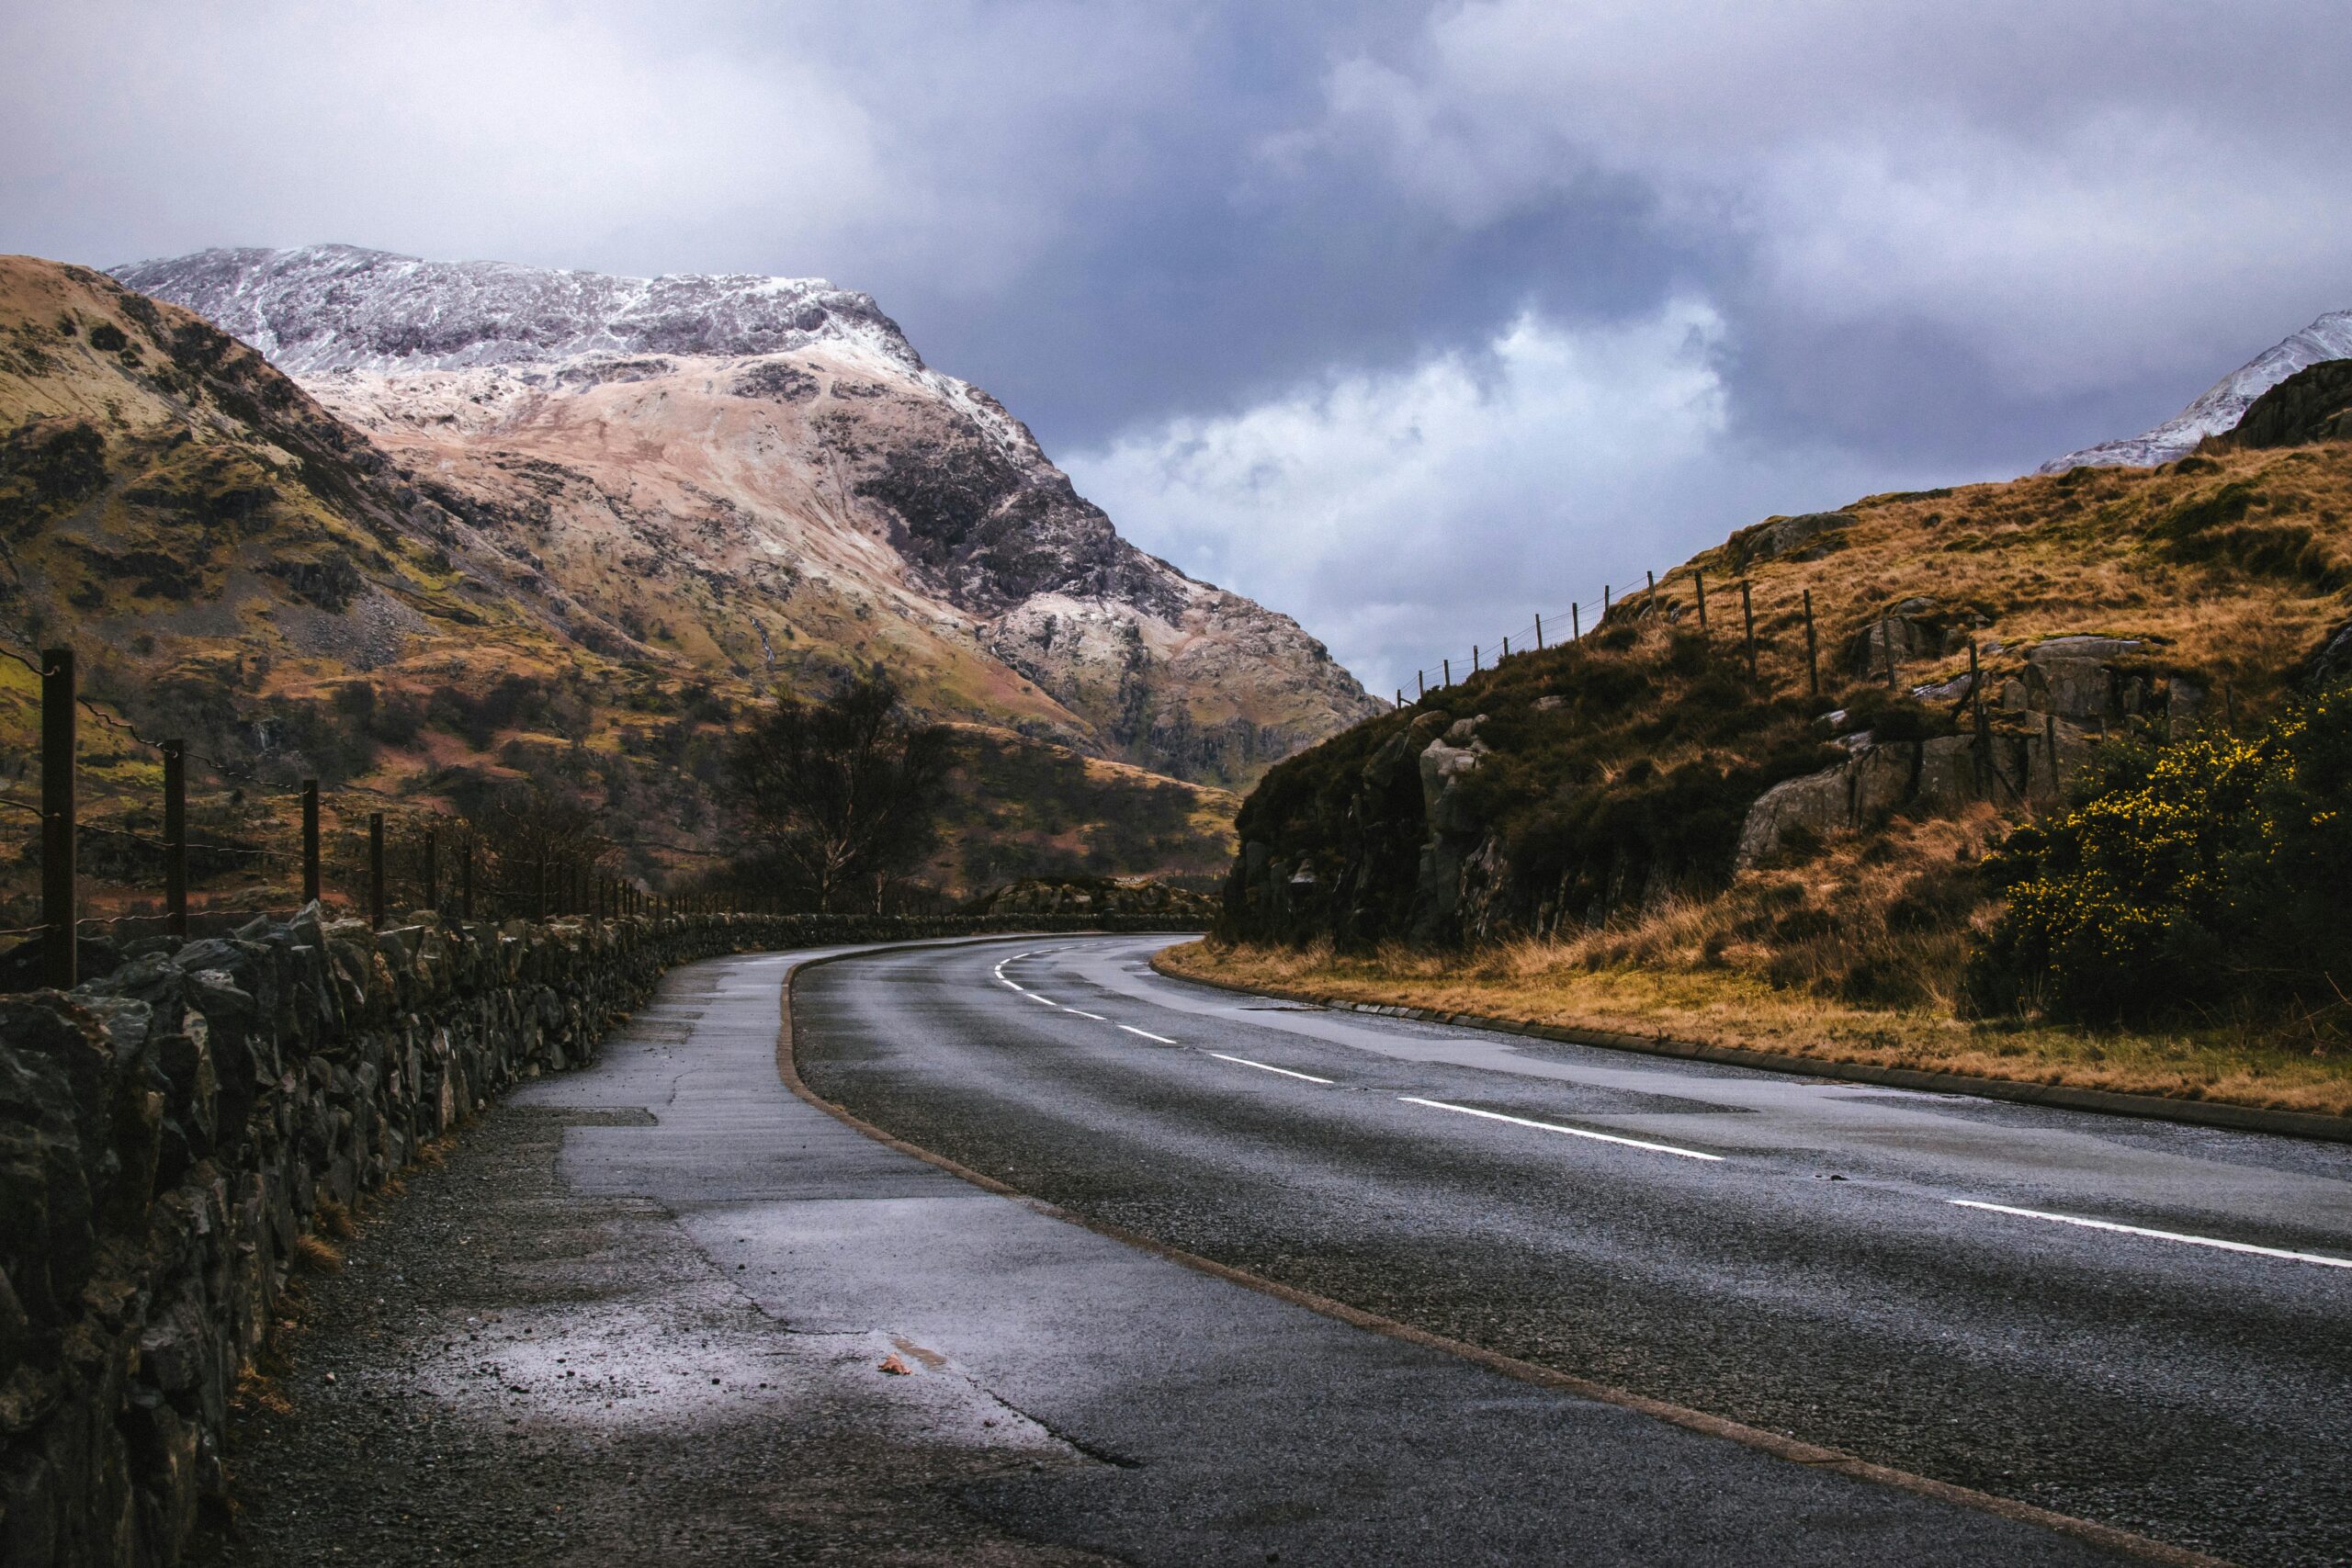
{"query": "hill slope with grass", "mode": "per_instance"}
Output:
(237, 566)
(1656, 834)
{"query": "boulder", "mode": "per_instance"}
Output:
(1819, 803)
(2333, 662)
(2074, 677)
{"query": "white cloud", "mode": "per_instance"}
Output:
(1404, 516)
(453, 129)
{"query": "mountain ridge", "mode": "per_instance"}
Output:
(764, 467)
(2216, 412)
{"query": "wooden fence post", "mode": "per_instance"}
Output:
(1575, 623)
(1747, 613)
(1983, 746)
(1449, 670)
(376, 870)
(1653, 578)
(1604, 600)
(175, 839)
(1420, 690)
(310, 841)
(61, 928)
(1699, 581)
(1812, 651)
(1474, 658)
(1539, 634)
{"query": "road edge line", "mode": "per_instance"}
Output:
(2106, 1537)
(2225, 1115)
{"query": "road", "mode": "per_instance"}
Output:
(1962, 1288)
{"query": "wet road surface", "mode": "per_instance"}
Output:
(2134, 1323)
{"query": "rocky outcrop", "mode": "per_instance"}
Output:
(1452, 871)
(761, 476)
(2313, 404)
(2333, 662)
(1808, 536)
(1939, 774)
(171, 1133)
(2081, 686)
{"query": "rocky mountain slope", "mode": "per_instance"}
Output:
(237, 566)
(759, 477)
(2224, 403)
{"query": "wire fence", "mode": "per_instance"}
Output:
(1684, 591)
(365, 861)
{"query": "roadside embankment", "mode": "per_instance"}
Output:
(179, 1136)
(2216, 1077)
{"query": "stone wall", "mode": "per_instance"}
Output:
(170, 1132)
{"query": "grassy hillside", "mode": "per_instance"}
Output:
(1806, 842)
(236, 568)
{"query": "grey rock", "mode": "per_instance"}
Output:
(2333, 662)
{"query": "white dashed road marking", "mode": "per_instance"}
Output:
(1555, 1127)
(2321, 1258)
(1264, 1068)
(1147, 1033)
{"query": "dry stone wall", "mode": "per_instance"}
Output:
(170, 1132)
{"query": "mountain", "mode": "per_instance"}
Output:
(238, 567)
(759, 477)
(2224, 403)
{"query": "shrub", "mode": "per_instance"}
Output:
(2212, 872)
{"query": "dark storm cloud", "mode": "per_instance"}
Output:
(1393, 315)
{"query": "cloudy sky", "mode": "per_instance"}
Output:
(1411, 320)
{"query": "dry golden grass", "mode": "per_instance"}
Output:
(1560, 984)
(257, 1389)
(315, 1252)
(2049, 556)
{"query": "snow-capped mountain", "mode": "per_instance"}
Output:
(762, 473)
(2330, 337)
(340, 308)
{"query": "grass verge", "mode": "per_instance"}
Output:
(1551, 984)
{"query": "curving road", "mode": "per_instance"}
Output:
(2142, 1324)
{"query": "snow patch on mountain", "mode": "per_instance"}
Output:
(2224, 404)
(318, 311)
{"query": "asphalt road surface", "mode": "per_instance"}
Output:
(2134, 1323)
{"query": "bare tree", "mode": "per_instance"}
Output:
(843, 795)
(535, 844)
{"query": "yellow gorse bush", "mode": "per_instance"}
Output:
(2210, 872)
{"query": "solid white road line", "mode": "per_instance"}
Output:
(1262, 1067)
(1554, 1127)
(2318, 1258)
(1147, 1033)
(1035, 998)
(1083, 1013)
